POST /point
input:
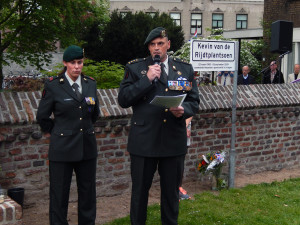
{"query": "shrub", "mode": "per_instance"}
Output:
(22, 83)
(107, 74)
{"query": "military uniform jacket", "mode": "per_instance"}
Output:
(156, 132)
(71, 127)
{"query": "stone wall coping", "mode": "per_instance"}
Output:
(21, 107)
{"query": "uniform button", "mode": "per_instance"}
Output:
(166, 110)
(80, 118)
(79, 107)
(183, 92)
(61, 134)
(165, 120)
(166, 89)
(134, 123)
(80, 129)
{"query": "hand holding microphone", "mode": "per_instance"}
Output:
(154, 70)
(156, 62)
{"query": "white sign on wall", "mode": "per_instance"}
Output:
(213, 55)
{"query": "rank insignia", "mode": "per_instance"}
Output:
(61, 80)
(179, 73)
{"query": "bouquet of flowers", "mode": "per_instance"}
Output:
(213, 163)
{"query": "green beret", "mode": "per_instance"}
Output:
(73, 52)
(155, 33)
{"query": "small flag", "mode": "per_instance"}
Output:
(196, 32)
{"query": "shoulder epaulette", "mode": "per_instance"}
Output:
(136, 60)
(53, 78)
(91, 78)
(181, 60)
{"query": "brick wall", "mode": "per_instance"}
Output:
(10, 213)
(282, 10)
(267, 136)
(278, 10)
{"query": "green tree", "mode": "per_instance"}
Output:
(124, 37)
(107, 74)
(30, 29)
(251, 55)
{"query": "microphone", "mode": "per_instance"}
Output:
(156, 60)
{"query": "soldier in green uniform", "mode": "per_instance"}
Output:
(157, 138)
(67, 111)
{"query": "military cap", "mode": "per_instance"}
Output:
(155, 33)
(73, 52)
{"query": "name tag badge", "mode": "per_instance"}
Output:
(180, 85)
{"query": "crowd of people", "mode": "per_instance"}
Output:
(270, 76)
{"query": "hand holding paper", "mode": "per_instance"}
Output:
(177, 111)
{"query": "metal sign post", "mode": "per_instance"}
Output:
(208, 55)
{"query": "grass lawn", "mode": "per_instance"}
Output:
(277, 203)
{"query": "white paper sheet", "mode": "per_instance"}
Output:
(168, 101)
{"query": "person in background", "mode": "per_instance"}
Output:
(245, 78)
(183, 193)
(294, 76)
(273, 76)
(157, 139)
(72, 99)
(225, 78)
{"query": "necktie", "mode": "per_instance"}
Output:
(76, 87)
(164, 76)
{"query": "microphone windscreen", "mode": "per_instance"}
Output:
(156, 59)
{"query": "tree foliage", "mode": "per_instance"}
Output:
(30, 29)
(107, 74)
(124, 37)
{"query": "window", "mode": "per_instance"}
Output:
(241, 21)
(217, 21)
(196, 23)
(152, 14)
(123, 14)
(176, 18)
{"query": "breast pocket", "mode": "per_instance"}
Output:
(89, 104)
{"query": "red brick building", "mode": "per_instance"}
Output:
(283, 10)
